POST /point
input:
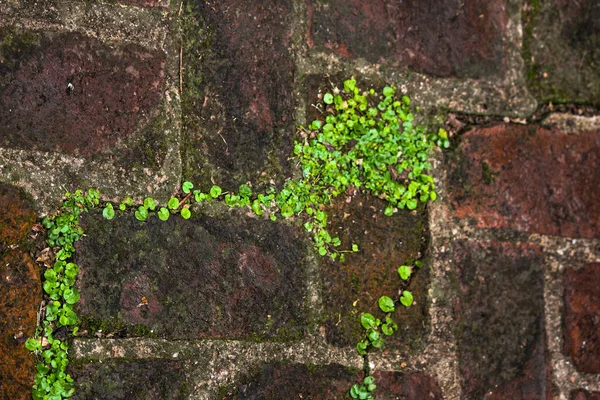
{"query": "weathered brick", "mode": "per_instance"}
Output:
(295, 381)
(500, 321)
(407, 386)
(561, 48)
(524, 178)
(20, 298)
(582, 317)
(71, 93)
(354, 286)
(445, 38)
(147, 3)
(135, 380)
(20, 294)
(230, 277)
(585, 395)
(238, 102)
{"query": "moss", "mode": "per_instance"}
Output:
(114, 326)
(487, 174)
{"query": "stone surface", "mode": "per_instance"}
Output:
(406, 386)
(584, 395)
(500, 321)
(138, 380)
(562, 50)
(147, 3)
(229, 277)
(71, 93)
(354, 286)
(238, 103)
(444, 38)
(523, 178)
(582, 317)
(295, 381)
(20, 294)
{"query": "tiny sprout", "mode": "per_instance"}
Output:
(407, 298)
(186, 213)
(173, 203)
(108, 212)
(215, 191)
(186, 187)
(163, 214)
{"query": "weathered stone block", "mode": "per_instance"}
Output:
(295, 381)
(238, 101)
(414, 386)
(561, 48)
(229, 277)
(74, 94)
(500, 321)
(16, 217)
(354, 286)
(582, 317)
(529, 179)
(444, 38)
(135, 380)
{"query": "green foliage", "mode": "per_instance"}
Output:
(186, 187)
(407, 298)
(163, 214)
(405, 272)
(386, 304)
(108, 212)
(364, 391)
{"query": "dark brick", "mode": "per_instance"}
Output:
(582, 317)
(585, 395)
(295, 381)
(523, 177)
(562, 50)
(230, 277)
(238, 100)
(413, 386)
(20, 298)
(445, 38)
(354, 286)
(500, 321)
(135, 380)
(113, 90)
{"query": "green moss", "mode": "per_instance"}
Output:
(487, 174)
(115, 326)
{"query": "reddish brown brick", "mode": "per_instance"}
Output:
(582, 317)
(446, 38)
(20, 298)
(16, 216)
(500, 321)
(413, 386)
(585, 395)
(529, 179)
(71, 93)
(354, 286)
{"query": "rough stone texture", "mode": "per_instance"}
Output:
(147, 3)
(231, 277)
(238, 95)
(393, 385)
(584, 395)
(500, 317)
(71, 93)
(444, 38)
(139, 380)
(562, 49)
(17, 215)
(523, 177)
(354, 286)
(295, 381)
(582, 317)
(20, 294)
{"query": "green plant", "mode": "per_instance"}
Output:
(365, 390)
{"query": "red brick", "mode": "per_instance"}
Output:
(582, 317)
(16, 217)
(446, 38)
(20, 298)
(500, 317)
(529, 179)
(412, 386)
(113, 90)
(585, 395)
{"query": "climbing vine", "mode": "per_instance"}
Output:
(362, 141)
